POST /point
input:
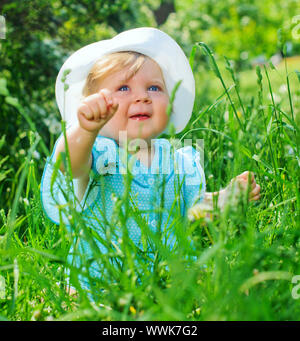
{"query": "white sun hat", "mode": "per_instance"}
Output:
(146, 40)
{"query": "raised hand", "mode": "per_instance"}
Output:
(95, 110)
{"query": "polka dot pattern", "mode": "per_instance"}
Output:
(173, 175)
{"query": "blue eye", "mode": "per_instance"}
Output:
(154, 88)
(124, 88)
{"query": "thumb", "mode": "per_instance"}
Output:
(113, 106)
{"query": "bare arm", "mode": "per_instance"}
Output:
(211, 197)
(93, 113)
(80, 144)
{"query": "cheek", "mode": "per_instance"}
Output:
(116, 121)
(164, 105)
(164, 120)
(114, 125)
(165, 102)
(160, 101)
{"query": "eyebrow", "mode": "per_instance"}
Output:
(158, 81)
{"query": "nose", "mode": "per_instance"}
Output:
(142, 97)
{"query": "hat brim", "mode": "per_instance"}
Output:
(146, 40)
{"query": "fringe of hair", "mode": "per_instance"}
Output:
(109, 64)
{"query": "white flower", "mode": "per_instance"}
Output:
(54, 127)
(36, 155)
(113, 197)
(277, 98)
(244, 55)
(26, 202)
(283, 89)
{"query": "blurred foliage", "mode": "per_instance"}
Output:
(240, 29)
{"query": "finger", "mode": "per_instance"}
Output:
(85, 111)
(242, 183)
(110, 102)
(255, 192)
(257, 197)
(107, 96)
(246, 175)
(102, 106)
(253, 185)
(92, 103)
(250, 177)
(114, 106)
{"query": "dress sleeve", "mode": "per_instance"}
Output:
(191, 171)
(58, 195)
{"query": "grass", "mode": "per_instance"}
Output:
(241, 264)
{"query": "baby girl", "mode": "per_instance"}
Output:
(119, 92)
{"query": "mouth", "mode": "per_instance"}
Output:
(140, 116)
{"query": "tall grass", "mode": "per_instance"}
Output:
(237, 267)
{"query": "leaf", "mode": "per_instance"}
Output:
(172, 98)
(269, 126)
(264, 163)
(272, 65)
(298, 74)
(192, 57)
(2, 141)
(13, 101)
(245, 151)
(265, 276)
(259, 75)
(3, 175)
(3, 87)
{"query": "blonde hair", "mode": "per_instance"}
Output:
(109, 64)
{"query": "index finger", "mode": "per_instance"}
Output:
(248, 174)
(107, 95)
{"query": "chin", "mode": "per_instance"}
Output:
(140, 135)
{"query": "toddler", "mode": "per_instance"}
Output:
(116, 106)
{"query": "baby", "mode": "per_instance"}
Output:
(131, 99)
(126, 84)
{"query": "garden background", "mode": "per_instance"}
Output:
(246, 110)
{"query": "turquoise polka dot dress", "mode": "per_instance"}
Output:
(174, 181)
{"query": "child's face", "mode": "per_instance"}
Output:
(142, 99)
